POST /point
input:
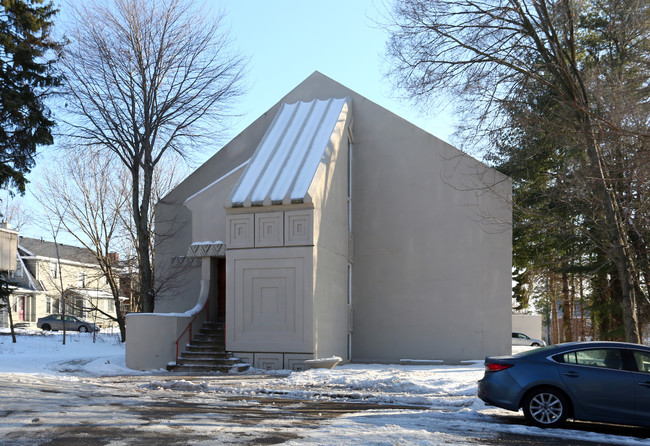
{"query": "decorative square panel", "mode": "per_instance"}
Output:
(271, 303)
(245, 357)
(296, 362)
(269, 300)
(299, 228)
(240, 231)
(268, 361)
(269, 229)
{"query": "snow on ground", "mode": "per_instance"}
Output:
(44, 352)
(424, 404)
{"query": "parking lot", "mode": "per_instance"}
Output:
(210, 410)
(81, 393)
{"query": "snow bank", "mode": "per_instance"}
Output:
(45, 353)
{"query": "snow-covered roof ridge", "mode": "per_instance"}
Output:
(286, 160)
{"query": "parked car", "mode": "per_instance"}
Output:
(590, 381)
(523, 339)
(72, 323)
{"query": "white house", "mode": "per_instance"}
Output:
(42, 270)
(332, 227)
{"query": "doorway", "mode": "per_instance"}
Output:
(218, 289)
(21, 308)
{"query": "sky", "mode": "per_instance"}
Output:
(286, 41)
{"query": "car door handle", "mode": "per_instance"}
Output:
(571, 374)
(645, 384)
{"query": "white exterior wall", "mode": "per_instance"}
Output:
(430, 282)
(161, 331)
(430, 279)
(208, 214)
(8, 245)
(530, 324)
(331, 256)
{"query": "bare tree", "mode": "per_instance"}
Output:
(146, 78)
(58, 221)
(89, 193)
(492, 53)
(13, 210)
(165, 178)
(84, 194)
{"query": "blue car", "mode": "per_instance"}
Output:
(591, 381)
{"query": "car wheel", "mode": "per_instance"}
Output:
(535, 344)
(83, 329)
(46, 327)
(546, 407)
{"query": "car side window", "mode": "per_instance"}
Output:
(642, 360)
(609, 358)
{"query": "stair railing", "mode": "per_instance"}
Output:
(205, 308)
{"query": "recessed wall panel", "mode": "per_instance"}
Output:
(268, 361)
(298, 228)
(269, 300)
(240, 231)
(269, 229)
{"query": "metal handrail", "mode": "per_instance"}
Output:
(189, 326)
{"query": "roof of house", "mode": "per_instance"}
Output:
(40, 248)
(284, 164)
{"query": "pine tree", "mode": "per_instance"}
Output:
(27, 76)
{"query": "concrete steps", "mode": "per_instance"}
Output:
(207, 354)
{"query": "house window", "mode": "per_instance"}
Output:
(79, 307)
(19, 270)
(48, 305)
(53, 270)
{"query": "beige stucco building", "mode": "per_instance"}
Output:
(332, 227)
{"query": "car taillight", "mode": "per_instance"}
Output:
(496, 366)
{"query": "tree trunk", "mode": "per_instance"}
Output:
(141, 220)
(619, 252)
(582, 311)
(554, 319)
(566, 310)
(11, 319)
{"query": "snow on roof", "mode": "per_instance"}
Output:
(285, 162)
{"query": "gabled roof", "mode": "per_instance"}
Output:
(284, 164)
(32, 247)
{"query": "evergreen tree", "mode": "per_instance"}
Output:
(27, 75)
